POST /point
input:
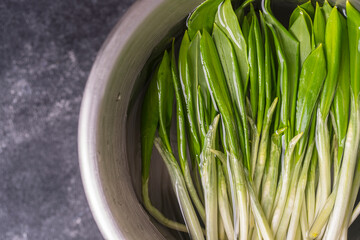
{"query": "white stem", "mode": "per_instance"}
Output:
(260, 218)
(224, 206)
(241, 196)
(346, 175)
(270, 182)
(263, 148)
(300, 191)
(304, 220)
(179, 186)
(310, 192)
(209, 181)
(192, 191)
(355, 213)
(279, 209)
(323, 147)
(322, 217)
(284, 223)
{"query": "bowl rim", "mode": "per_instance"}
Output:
(91, 106)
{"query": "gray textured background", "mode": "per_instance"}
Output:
(47, 49)
(46, 52)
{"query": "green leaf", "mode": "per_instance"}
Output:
(201, 116)
(290, 48)
(283, 92)
(218, 89)
(181, 137)
(254, 82)
(203, 17)
(197, 79)
(240, 11)
(294, 15)
(196, 72)
(260, 62)
(309, 8)
(232, 75)
(319, 26)
(341, 104)
(149, 124)
(302, 31)
(311, 80)
(267, 64)
(326, 8)
(333, 53)
(166, 99)
(180, 118)
(227, 21)
(194, 143)
(353, 22)
(245, 26)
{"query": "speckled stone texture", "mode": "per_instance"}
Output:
(46, 52)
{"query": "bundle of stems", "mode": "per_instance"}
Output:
(267, 122)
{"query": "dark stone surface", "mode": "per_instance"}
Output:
(46, 52)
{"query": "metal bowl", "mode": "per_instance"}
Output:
(108, 134)
(103, 143)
